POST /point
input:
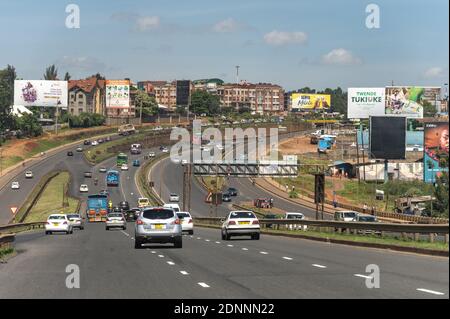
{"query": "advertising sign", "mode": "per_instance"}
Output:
(118, 94)
(366, 102)
(302, 101)
(435, 146)
(388, 137)
(40, 93)
(409, 101)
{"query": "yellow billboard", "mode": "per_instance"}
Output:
(302, 101)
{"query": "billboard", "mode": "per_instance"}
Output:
(40, 93)
(118, 94)
(366, 102)
(408, 101)
(300, 101)
(435, 147)
(388, 137)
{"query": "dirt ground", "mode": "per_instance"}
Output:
(297, 146)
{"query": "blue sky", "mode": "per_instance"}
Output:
(315, 43)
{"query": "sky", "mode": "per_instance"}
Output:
(293, 43)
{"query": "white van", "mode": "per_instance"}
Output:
(297, 216)
(345, 216)
(175, 207)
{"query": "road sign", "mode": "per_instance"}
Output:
(14, 209)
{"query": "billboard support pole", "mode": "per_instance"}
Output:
(357, 158)
(386, 174)
(363, 153)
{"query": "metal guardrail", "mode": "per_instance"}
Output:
(17, 228)
(416, 229)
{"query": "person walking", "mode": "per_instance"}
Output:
(365, 208)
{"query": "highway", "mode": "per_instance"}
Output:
(206, 266)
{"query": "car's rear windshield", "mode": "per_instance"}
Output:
(294, 216)
(57, 217)
(73, 216)
(182, 215)
(158, 214)
(242, 215)
(114, 215)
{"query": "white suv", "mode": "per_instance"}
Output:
(241, 223)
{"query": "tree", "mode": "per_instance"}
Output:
(7, 77)
(51, 73)
(147, 102)
(29, 125)
(67, 76)
(204, 102)
(442, 188)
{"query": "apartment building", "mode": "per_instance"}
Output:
(86, 95)
(261, 98)
(164, 92)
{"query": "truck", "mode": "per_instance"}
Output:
(112, 178)
(97, 208)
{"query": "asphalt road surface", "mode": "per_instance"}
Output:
(206, 266)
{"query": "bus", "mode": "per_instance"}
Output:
(112, 178)
(122, 158)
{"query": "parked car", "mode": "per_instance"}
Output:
(241, 223)
(158, 225)
(28, 174)
(58, 223)
(76, 221)
(187, 223)
(295, 216)
(174, 197)
(15, 185)
(115, 220)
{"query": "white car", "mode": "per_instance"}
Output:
(58, 223)
(295, 216)
(165, 150)
(84, 188)
(151, 154)
(184, 162)
(94, 143)
(15, 185)
(28, 174)
(76, 221)
(176, 208)
(187, 224)
(241, 223)
(174, 198)
(124, 167)
(176, 160)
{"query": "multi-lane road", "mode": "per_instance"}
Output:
(206, 266)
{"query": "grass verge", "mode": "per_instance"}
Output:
(51, 200)
(6, 253)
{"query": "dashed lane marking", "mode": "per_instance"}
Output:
(437, 293)
(184, 273)
(287, 258)
(319, 266)
(171, 263)
(202, 284)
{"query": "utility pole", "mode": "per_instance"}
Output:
(237, 74)
(140, 113)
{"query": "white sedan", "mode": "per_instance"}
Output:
(94, 143)
(84, 188)
(58, 223)
(15, 185)
(174, 198)
(187, 224)
(124, 167)
(28, 174)
(241, 223)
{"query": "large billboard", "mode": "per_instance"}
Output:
(388, 137)
(435, 147)
(409, 101)
(118, 94)
(366, 102)
(302, 101)
(40, 93)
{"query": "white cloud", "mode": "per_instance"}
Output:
(227, 25)
(147, 23)
(283, 38)
(340, 57)
(435, 72)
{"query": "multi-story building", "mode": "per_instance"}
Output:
(260, 98)
(86, 95)
(164, 92)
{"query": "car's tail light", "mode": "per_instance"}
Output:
(232, 222)
(139, 222)
(176, 222)
(255, 222)
(65, 223)
(190, 221)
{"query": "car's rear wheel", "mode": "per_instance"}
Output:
(47, 233)
(124, 228)
(107, 228)
(178, 243)
(137, 244)
(227, 236)
(255, 237)
(191, 232)
(223, 236)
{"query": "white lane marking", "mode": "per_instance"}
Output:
(263, 252)
(287, 258)
(430, 291)
(230, 245)
(184, 273)
(132, 238)
(153, 252)
(207, 240)
(171, 263)
(245, 249)
(217, 242)
(161, 256)
(191, 236)
(319, 266)
(202, 284)
(363, 276)
(126, 234)
(199, 238)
